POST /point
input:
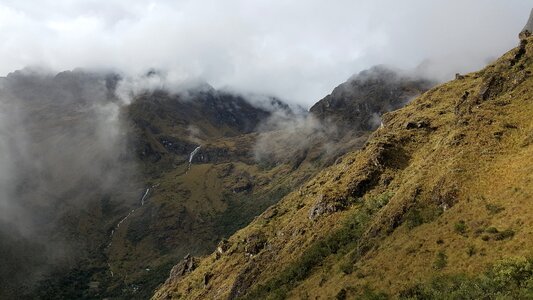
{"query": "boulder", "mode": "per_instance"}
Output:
(186, 266)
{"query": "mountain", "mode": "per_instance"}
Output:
(123, 188)
(105, 196)
(358, 103)
(436, 205)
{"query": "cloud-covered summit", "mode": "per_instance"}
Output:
(298, 50)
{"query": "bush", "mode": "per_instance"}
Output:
(414, 218)
(503, 235)
(440, 261)
(491, 230)
(498, 235)
(460, 227)
(471, 250)
(494, 208)
(508, 279)
(346, 268)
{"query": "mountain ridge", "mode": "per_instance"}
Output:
(422, 199)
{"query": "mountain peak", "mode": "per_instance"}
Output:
(528, 29)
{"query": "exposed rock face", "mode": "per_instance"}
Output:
(324, 206)
(254, 243)
(528, 29)
(358, 103)
(186, 266)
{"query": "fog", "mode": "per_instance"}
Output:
(63, 139)
(64, 153)
(296, 50)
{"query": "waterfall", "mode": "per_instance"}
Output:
(191, 156)
(144, 196)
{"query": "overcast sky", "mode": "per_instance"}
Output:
(298, 50)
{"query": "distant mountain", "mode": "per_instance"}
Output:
(358, 103)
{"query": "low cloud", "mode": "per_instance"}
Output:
(296, 50)
(65, 153)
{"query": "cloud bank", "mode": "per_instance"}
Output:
(298, 50)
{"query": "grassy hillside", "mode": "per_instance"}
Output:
(438, 204)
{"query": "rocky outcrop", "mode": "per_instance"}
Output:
(359, 103)
(187, 265)
(254, 243)
(528, 29)
(325, 206)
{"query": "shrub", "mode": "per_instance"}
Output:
(414, 218)
(503, 235)
(491, 230)
(471, 250)
(511, 278)
(494, 208)
(460, 227)
(440, 261)
(341, 295)
(346, 268)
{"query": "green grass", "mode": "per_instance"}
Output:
(511, 278)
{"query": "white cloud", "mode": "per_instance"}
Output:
(298, 49)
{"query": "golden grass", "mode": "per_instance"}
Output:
(466, 156)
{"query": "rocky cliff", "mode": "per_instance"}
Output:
(359, 103)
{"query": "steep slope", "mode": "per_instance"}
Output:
(438, 194)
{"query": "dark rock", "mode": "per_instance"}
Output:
(207, 277)
(242, 187)
(462, 106)
(358, 103)
(520, 53)
(325, 206)
(490, 87)
(528, 29)
(245, 279)
(417, 125)
(254, 243)
(186, 266)
(444, 195)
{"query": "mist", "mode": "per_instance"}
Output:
(65, 146)
(296, 50)
(64, 154)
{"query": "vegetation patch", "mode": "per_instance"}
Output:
(460, 227)
(347, 237)
(511, 278)
(494, 208)
(492, 233)
(421, 214)
(441, 260)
